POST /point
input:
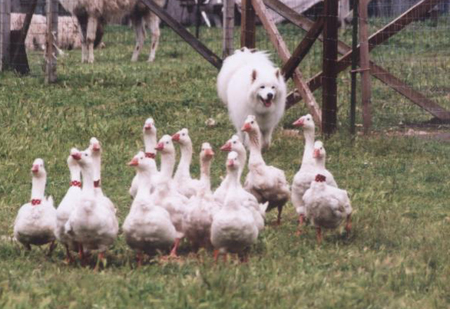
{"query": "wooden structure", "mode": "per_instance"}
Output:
(52, 41)
(5, 30)
(364, 64)
(415, 13)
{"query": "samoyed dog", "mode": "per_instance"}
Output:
(249, 84)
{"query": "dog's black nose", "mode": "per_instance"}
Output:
(270, 96)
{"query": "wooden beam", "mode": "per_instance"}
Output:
(330, 56)
(184, 34)
(302, 49)
(5, 30)
(415, 96)
(382, 35)
(228, 28)
(52, 41)
(364, 64)
(284, 54)
(248, 24)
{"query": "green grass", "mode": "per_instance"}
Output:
(396, 257)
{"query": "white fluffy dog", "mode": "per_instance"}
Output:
(249, 84)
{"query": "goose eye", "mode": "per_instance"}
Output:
(183, 134)
(252, 122)
(234, 142)
(167, 143)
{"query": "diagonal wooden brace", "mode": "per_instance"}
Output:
(184, 34)
(284, 53)
(302, 49)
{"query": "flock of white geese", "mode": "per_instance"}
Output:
(168, 207)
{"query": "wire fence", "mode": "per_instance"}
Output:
(418, 55)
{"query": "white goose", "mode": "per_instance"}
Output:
(233, 228)
(319, 155)
(327, 206)
(266, 183)
(93, 223)
(182, 178)
(233, 144)
(147, 227)
(202, 207)
(68, 204)
(95, 150)
(149, 132)
(35, 223)
(308, 170)
(165, 194)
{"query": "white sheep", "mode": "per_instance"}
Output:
(91, 13)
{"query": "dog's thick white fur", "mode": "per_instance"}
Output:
(249, 84)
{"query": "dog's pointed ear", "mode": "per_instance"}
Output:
(277, 73)
(254, 75)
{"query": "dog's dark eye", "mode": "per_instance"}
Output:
(234, 142)
(252, 122)
(273, 87)
(262, 87)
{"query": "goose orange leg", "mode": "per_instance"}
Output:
(319, 235)
(173, 253)
(69, 258)
(280, 209)
(81, 254)
(348, 226)
(301, 221)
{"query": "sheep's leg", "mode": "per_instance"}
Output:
(267, 137)
(90, 37)
(82, 33)
(154, 28)
(319, 235)
(139, 29)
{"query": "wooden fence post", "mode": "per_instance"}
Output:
(364, 65)
(354, 68)
(248, 24)
(228, 28)
(52, 41)
(330, 56)
(5, 30)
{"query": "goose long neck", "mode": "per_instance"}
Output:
(205, 173)
(97, 158)
(88, 178)
(75, 172)
(150, 142)
(255, 148)
(242, 160)
(38, 187)
(143, 190)
(167, 164)
(234, 186)
(186, 159)
(320, 162)
(309, 146)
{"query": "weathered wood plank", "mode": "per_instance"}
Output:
(364, 65)
(184, 34)
(228, 28)
(5, 30)
(51, 43)
(330, 56)
(248, 25)
(302, 49)
(284, 54)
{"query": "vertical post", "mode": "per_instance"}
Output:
(330, 56)
(364, 65)
(354, 72)
(5, 30)
(228, 28)
(52, 41)
(248, 25)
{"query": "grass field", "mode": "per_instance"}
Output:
(396, 256)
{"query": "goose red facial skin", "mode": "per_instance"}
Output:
(316, 153)
(76, 156)
(247, 127)
(35, 169)
(133, 162)
(96, 147)
(176, 137)
(209, 153)
(299, 123)
(160, 146)
(320, 178)
(226, 147)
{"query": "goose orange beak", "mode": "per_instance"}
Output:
(247, 127)
(35, 169)
(176, 137)
(226, 147)
(160, 146)
(316, 153)
(133, 162)
(76, 156)
(209, 153)
(299, 122)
